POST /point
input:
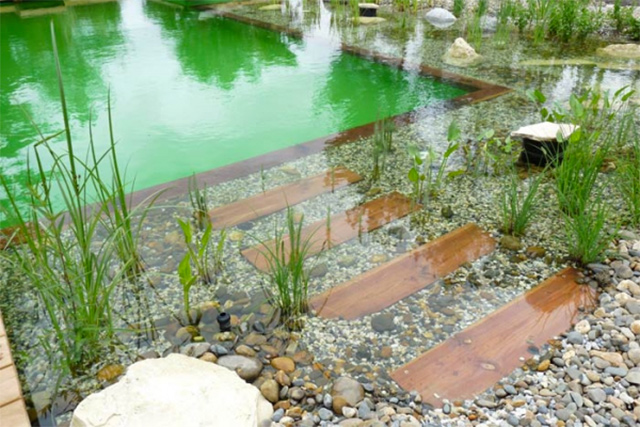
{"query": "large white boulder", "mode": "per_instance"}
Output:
(461, 54)
(175, 391)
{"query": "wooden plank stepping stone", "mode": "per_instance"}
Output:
(389, 283)
(279, 198)
(476, 358)
(344, 226)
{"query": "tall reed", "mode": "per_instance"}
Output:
(287, 287)
(518, 206)
(63, 255)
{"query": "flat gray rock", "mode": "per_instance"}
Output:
(248, 368)
(545, 131)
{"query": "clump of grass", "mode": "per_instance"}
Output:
(458, 7)
(583, 205)
(518, 206)
(62, 254)
(287, 287)
(587, 233)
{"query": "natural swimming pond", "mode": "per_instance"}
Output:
(187, 95)
(394, 273)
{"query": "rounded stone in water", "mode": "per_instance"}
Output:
(440, 18)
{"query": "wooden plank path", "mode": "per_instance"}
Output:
(476, 358)
(279, 198)
(389, 283)
(344, 226)
(12, 409)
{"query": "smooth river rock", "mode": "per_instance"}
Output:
(175, 391)
(440, 18)
(248, 368)
(348, 389)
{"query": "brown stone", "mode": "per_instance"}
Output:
(284, 404)
(110, 372)
(386, 352)
(339, 402)
(544, 365)
(244, 350)
(285, 364)
(282, 378)
(208, 357)
(303, 357)
(255, 339)
(270, 390)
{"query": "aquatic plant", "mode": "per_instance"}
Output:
(585, 151)
(425, 183)
(187, 279)
(589, 233)
(628, 175)
(487, 154)
(624, 21)
(199, 204)
(518, 206)
(287, 287)
(458, 7)
(62, 254)
(198, 250)
(503, 28)
(382, 145)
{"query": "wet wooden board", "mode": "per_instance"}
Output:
(344, 226)
(279, 198)
(389, 283)
(14, 415)
(476, 358)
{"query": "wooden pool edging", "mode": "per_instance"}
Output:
(13, 411)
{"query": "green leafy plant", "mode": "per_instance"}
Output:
(425, 183)
(287, 287)
(198, 250)
(518, 206)
(187, 280)
(199, 204)
(487, 154)
(503, 29)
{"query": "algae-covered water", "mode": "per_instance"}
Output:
(187, 94)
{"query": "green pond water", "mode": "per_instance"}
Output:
(188, 94)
